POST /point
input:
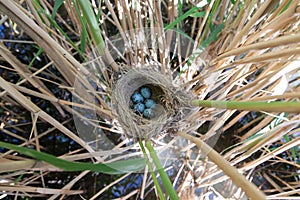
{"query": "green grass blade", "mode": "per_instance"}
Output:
(163, 175)
(198, 14)
(56, 6)
(37, 3)
(190, 12)
(180, 6)
(40, 51)
(286, 7)
(291, 107)
(83, 38)
(90, 17)
(155, 181)
(65, 35)
(84, 34)
(209, 24)
(53, 23)
(118, 167)
(99, 11)
(293, 150)
(213, 36)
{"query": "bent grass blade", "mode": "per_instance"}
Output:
(118, 167)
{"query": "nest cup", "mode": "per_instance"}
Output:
(172, 104)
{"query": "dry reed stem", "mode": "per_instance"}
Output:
(249, 188)
(246, 28)
(131, 194)
(44, 40)
(266, 35)
(24, 72)
(36, 110)
(283, 40)
(284, 54)
(270, 155)
(34, 131)
(10, 166)
(70, 184)
(264, 158)
(32, 140)
(39, 190)
(108, 186)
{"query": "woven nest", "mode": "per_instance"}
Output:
(169, 113)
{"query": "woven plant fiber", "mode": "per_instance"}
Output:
(171, 109)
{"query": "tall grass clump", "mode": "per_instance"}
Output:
(225, 75)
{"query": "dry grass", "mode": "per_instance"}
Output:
(256, 57)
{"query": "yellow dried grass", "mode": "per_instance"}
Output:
(267, 40)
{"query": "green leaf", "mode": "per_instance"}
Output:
(84, 33)
(92, 22)
(293, 150)
(180, 6)
(187, 14)
(53, 23)
(155, 180)
(198, 14)
(213, 36)
(40, 51)
(118, 167)
(163, 175)
(56, 6)
(209, 22)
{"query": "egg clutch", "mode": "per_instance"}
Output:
(142, 103)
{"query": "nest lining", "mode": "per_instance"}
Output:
(172, 103)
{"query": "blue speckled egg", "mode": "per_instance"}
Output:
(139, 107)
(145, 92)
(149, 103)
(137, 97)
(148, 113)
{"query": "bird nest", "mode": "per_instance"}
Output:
(171, 109)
